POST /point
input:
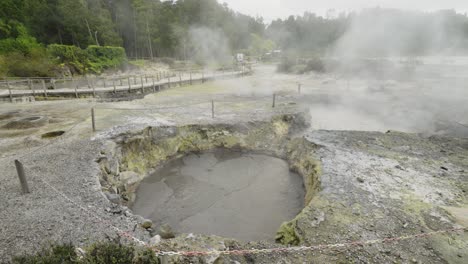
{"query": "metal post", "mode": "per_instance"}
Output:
(9, 91)
(22, 177)
(76, 92)
(45, 88)
(212, 109)
(274, 100)
(93, 119)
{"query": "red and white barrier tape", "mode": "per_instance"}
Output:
(305, 248)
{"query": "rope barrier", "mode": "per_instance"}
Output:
(306, 248)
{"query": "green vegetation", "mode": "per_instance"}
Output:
(99, 253)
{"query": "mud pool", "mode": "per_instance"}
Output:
(226, 193)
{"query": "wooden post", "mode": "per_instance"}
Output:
(168, 82)
(154, 86)
(129, 85)
(113, 84)
(134, 80)
(121, 84)
(299, 88)
(212, 109)
(76, 91)
(274, 100)
(94, 91)
(93, 120)
(9, 91)
(45, 88)
(32, 88)
(142, 85)
(105, 85)
(22, 176)
(29, 84)
(53, 83)
(163, 259)
(190, 77)
(180, 79)
(146, 78)
(87, 80)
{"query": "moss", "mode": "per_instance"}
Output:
(414, 207)
(287, 234)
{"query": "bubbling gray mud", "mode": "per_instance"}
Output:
(226, 193)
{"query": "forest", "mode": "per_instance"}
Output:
(185, 28)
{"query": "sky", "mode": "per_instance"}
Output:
(272, 9)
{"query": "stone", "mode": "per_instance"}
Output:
(165, 231)
(359, 179)
(129, 177)
(112, 197)
(154, 241)
(147, 224)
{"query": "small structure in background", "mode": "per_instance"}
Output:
(240, 57)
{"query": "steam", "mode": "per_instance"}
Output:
(209, 46)
(387, 32)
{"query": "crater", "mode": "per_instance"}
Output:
(28, 122)
(53, 134)
(229, 193)
(242, 181)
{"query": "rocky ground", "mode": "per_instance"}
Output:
(373, 184)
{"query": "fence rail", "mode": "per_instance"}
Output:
(74, 87)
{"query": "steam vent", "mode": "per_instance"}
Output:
(188, 132)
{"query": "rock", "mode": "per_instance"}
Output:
(399, 167)
(129, 177)
(359, 179)
(147, 224)
(165, 231)
(154, 241)
(80, 253)
(112, 197)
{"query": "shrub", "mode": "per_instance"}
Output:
(286, 65)
(59, 254)
(101, 58)
(100, 253)
(315, 65)
(72, 56)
